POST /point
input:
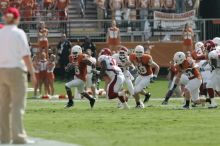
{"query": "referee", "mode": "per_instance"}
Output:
(15, 60)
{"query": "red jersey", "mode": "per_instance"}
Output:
(188, 68)
(143, 66)
(80, 66)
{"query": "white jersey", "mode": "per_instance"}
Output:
(205, 70)
(112, 66)
(121, 64)
(89, 68)
(214, 55)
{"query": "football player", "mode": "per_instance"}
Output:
(91, 74)
(214, 81)
(143, 63)
(191, 90)
(124, 63)
(110, 68)
(79, 62)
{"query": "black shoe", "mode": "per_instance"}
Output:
(92, 102)
(186, 107)
(69, 104)
(147, 97)
(194, 105)
(165, 102)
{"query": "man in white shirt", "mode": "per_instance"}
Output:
(14, 61)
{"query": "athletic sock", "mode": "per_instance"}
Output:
(211, 92)
(187, 102)
(86, 95)
(208, 100)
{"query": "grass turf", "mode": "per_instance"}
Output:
(106, 125)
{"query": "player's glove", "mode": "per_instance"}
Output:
(69, 67)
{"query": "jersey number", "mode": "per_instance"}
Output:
(189, 73)
(77, 72)
(141, 69)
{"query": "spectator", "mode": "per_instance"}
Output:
(116, 7)
(169, 6)
(180, 6)
(100, 11)
(62, 7)
(132, 5)
(88, 44)
(192, 5)
(156, 4)
(15, 4)
(47, 3)
(27, 7)
(4, 4)
(15, 57)
(143, 5)
(113, 37)
(43, 43)
(188, 36)
(63, 49)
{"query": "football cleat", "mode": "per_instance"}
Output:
(147, 97)
(165, 102)
(186, 107)
(92, 102)
(213, 105)
(140, 106)
(69, 104)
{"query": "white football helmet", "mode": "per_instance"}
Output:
(179, 57)
(123, 54)
(139, 50)
(213, 55)
(76, 50)
(199, 45)
(216, 40)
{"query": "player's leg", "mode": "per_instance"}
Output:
(140, 83)
(211, 85)
(80, 87)
(74, 83)
(192, 85)
(4, 114)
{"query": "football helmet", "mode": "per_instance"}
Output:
(179, 57)
(106, 51)
(76, 50)
(199, 45)
(139, 50)
(209, 45)
(216, 40)
(123, 54)
(213, 55)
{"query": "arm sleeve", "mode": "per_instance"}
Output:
(23, 46)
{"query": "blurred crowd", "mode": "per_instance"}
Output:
(141, 9)
(32, 10)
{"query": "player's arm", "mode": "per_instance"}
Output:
(103, 69)
(170, 92)
(156, 68)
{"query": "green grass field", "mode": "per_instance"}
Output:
(106, 125)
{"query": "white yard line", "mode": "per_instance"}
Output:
(43, 142)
